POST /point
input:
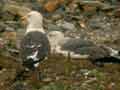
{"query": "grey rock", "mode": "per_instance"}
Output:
(53, 27)
(97, 23)
(47, 79)
(90, 2)
(2, 26)
(57, 17)
(98, 4)
(107, 7)
(15, 9)
(6, 27)
(10, 29)
(66, 25)
(100, 23)
(21, 86)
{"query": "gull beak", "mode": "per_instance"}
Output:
(24, 19)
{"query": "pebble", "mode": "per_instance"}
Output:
(47, 79)
(66, 25)
(21, 86)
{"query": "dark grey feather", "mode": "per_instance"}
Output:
(32, 42)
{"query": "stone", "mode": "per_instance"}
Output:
(2, 43)
(90, 2)
(98, 22)
(7, 76)
(89, 8)
(66, 25)
(21, 86)
(9, 35)
(6, 16)
(108, 7)
(16, 9)
(57, 17)
(53, 27)
(117, 12)
(52, 5)
(47, 79)
(2, 26)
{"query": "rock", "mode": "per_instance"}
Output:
(57, 16)
(96, 24)
(89, 2)
(66, 25)
(21, 86)
(111, 86)
(53, 27)
(89, 8)
(1, 4)
(47, 79)
(10, 36)
(82, 24)
(16, 9)
(13, 51)
(9, 29)
(2, 43)
(52, 5)
(99, 23)
(7, 76)
(108, 7)
(13, 24)
(72, 7)
(90, 5)
(2, 27)
(117, 12)
(7, 16)
(36, 5)
(41, 1)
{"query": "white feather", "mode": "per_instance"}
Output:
(35, 29)
(33, 56)
(36, 65)
(35, 22)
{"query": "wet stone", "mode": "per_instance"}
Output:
(21, 86)
(2, 27)
(97, 23)
(47, 79)
(66, 25)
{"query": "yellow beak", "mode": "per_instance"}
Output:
(24, 19)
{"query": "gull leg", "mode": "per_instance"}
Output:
(38, 75)
(37, 71)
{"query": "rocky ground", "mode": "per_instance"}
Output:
(93, 20)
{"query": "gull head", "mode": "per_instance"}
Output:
(33, 19)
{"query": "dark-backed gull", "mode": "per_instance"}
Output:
(34, 46)
(80, 48)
